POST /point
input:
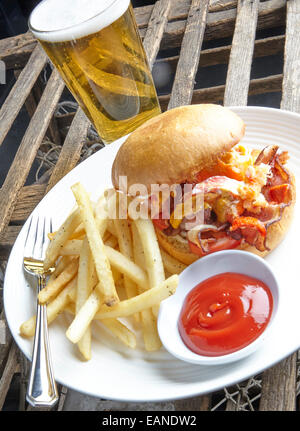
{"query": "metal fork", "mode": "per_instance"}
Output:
(42, 390)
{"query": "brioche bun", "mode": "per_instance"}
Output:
(173, 147)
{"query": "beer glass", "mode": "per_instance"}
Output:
(96, 47)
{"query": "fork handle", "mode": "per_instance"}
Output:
(42, 390)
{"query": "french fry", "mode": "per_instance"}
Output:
(150, 333)
(127, 266)
(100, 212)
(60, 266)
(85, 284)
(152, 253)
(172, 265)
(121, 332)
(138, 251)
(71, 248)
(140, 302)
(78, 233)
(55, 307)
(61, 237)
(125, 246)
(153, 259)
(56, 285)
(117, 328)
(84, 317)
(149, 324)
(106, 282)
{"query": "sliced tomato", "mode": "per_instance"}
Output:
(160, 223)
(223, 243)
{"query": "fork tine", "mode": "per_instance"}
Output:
(30, 238)
(47, 229)
(27, 236)
(36, 240)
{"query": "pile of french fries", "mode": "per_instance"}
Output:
(106, 269)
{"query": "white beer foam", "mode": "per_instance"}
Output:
(64, 20)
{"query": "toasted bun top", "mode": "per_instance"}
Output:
(173, 147)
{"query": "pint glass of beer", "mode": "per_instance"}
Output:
(96, 47)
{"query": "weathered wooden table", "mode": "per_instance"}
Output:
(182, 27)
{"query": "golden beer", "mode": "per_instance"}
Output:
(101, 59)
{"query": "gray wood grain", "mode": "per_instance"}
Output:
(28, 198)
(291, 71)
(187, 66)
(9, 371)
(155, 29)
(240, 61)
(279, 386)
(17, 96)
(16, 50)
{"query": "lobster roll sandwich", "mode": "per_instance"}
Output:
(246, 195)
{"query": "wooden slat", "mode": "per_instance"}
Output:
(71, 149)
(279, 386)
(16, 98)
(7, 240)
(31, 103)
(15, 51)
(31, 141)
(9, 371)
(28, 199)
(218, 5)
(239, 68)
(197, 404)
(4, 348)
(187, 66)
(155, 30)
(291, 72)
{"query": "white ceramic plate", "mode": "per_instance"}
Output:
(117, 373)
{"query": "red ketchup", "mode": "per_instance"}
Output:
(225, 313)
